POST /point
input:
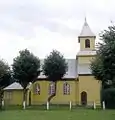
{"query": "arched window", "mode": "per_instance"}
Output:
(51, 88)
(66, 88)
(87, 43)
(37, 88)
(84, 98)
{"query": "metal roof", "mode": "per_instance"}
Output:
(15, 86)
(72, 69)
(86, 31)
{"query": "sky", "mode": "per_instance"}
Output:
(44, 25)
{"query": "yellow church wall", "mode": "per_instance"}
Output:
(85, 59)
(13, 97)
(82, 43)
(60, 98)
(88, 84)
(77, 92)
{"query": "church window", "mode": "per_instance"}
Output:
(51, 88)
(37, 88)
(66, 88)
(87, 43)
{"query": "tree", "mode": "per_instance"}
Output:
(26, 69)
(98, 70)
(103, 66)
(54, 68)
(5, 77)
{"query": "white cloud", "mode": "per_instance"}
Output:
(44, 25)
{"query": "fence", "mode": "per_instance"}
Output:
(57, 106)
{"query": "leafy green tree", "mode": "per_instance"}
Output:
(55, 67)
(5, 77)
(103, 66)
(26, 68)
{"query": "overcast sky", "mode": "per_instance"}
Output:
(43, 25)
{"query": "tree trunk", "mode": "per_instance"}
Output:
(1, 97)
(54, 93)
(24, 98)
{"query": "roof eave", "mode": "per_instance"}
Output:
(86, 55)
(85, 36)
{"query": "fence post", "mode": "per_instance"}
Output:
(3, 103)
(24, 105)
(103, 105)
(94, 105)
(47, 105)
(70, 105)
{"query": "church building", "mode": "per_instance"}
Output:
(78, 85)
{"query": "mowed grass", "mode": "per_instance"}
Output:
(76, 114)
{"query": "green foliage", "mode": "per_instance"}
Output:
(108, 95)
(5, 74)
(26, 67)
(103, 66)
(97, 68)
(55, 66)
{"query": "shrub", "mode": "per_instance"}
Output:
(108, 95)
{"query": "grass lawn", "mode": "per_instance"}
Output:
(77, 114)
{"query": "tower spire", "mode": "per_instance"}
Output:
(86, 31)
(85, 19)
